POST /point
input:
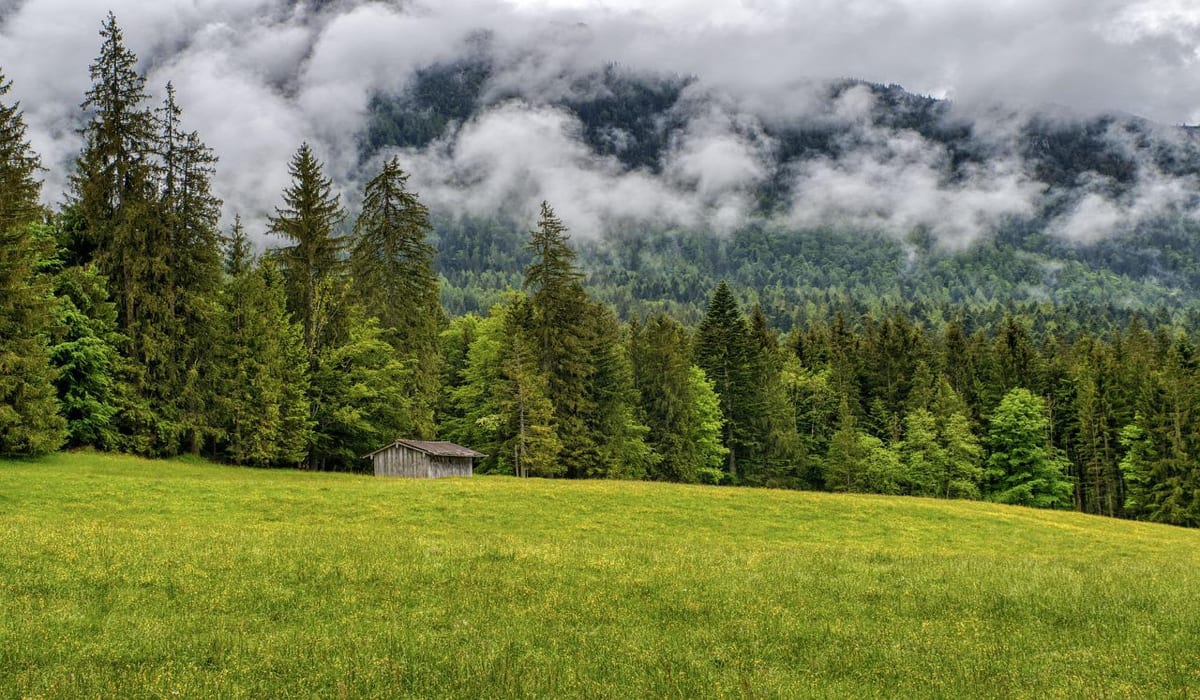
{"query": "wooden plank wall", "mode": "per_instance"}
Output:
(406, 462)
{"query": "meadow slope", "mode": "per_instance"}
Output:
(129, 578)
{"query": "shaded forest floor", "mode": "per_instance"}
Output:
(122, 577)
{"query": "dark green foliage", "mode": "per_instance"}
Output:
(676, 402)
(113, 183)
(391, 269)
(564, 339)
(86, 353)
(522, 398)
(1162, 444)
(29, 420)
(622, 450)
(261, 407)
(778, 456)
(312, 259)
(724, 350)
(143, 210)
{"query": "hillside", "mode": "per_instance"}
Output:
(123, 577)
(867, 195)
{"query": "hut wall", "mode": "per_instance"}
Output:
(402, 461)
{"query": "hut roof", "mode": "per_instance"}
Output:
(431, 447)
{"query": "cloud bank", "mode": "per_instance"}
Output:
(257, 77)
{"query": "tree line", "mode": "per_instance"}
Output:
(130, 322)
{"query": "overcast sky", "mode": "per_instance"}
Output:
(257, 77)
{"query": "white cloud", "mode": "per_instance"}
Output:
(257, 77)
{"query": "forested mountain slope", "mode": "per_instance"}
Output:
(1002, 207)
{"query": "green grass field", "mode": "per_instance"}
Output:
(128, 578)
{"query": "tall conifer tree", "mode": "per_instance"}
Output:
(725, 352)
(261, 366)
(29, 420)
(560, 330)
(312, 263)
(392, 273)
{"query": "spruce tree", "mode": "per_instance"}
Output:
(87, 356)
(1159, 467)
(261, 366)
(142, 198)
(725, 352)
(777, 455)
(113, 186)
(522, 397)
(312, 263)
(676, 401)
(561, 332)
(29, 420)
(391, 267)
(620, 436)
(188, 215)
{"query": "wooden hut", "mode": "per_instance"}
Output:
(423, 459)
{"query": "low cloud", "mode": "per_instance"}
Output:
(512, 156)
(258, 77)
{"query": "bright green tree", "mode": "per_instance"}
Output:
(358, 397)
(1023, 467)
(846, 458)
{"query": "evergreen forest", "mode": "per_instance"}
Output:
(1023, 370)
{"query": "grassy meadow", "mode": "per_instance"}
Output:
(128, 578)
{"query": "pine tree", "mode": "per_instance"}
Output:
(86, 354)
(724, 351)
(778, 457)
(676, 401)
(261, 366)
(1159, 467)
(561, 333)
(114, 181)
(621, 439)
(146, 215)
(523, 400)
(29, 420)
(312, 262)
(391, 267)
(188, 215)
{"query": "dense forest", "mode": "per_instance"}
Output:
(130, 320)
